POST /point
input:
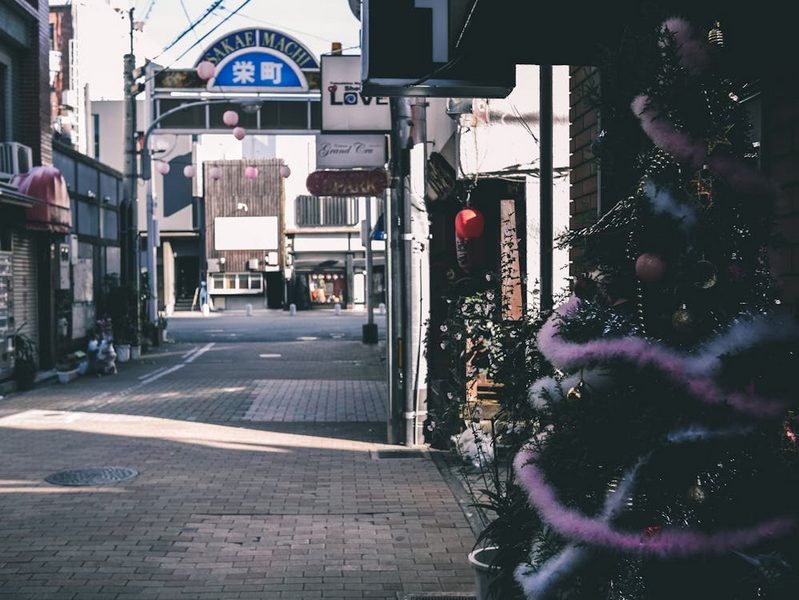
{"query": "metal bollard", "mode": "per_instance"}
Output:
(249, 310)
(381, 308)
(338, 309)
(293, 310)
(206, 310)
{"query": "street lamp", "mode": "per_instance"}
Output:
(146, 175)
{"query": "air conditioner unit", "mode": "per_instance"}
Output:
(15, 158)
(252, 264)
(69, 98)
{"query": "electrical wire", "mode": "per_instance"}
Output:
(188, 17)
(289, 29)
(195, 44)
(192, 26)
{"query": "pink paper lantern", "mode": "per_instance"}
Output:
(189, 171)
(206, 70)
(239, 133)
(285, 171)
(162, 167)
(215, 173)
(251, 172)
(230, 118)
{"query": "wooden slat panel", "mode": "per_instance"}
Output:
(264, 197)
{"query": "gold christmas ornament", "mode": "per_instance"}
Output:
(696, 492)
(682, 320)
(576, 392)
(715, 37)
(705, 275)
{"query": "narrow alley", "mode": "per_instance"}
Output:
(261, 472)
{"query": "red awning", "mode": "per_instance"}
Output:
(48, 185)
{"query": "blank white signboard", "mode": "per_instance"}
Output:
(245, 233)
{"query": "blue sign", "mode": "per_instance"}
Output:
(257, 60)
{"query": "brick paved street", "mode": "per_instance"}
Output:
(258, 478)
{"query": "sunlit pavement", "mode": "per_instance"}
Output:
(259, 476)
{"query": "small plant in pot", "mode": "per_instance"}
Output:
(24, 359)
(68, 366)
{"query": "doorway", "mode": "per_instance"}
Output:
(187, 278)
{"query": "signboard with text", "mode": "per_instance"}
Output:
(344, 106)
(259, 60)
(350, 151)
(432, 48)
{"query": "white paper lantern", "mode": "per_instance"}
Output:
(162, 167)
(251, 172)
(215, 173)
(239, 133)
(206, 70)
(285, 171)
(230, 118)
(189, 171)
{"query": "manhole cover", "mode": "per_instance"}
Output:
(90, 477)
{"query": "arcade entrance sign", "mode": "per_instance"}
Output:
(259, 60)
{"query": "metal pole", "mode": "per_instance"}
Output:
(369, 335)
(130, 265)
(152, 252)
(391, 330)
(546, 239)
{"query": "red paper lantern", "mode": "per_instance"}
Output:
(239, 133)
(650, 268)
(230, 118)
(469, 224)
(206, 70)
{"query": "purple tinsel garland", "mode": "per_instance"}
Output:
(665, 543)
(690, 371)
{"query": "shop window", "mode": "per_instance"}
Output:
(109, 189)
(87, 181)
(110, 224)
(326, 211)
(88, 219)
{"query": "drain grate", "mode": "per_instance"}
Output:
(438, 596)
(90, 477)
(385, 454)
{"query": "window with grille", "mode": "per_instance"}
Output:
(326, 211)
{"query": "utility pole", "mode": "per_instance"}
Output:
(130, 266)
(407, 260)
(369, 330)
(547, 183)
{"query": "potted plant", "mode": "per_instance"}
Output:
(68, 367)
(24, 359)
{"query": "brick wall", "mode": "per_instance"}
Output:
(33, 108)
(781, 161)
(583, 129)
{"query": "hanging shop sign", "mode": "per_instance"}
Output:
(350, 151)
(347, 183)
(259, 60)
(344, 106)
(450, 56)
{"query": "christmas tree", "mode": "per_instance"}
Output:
(666, 463)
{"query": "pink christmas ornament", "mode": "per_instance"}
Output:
(251, 172)
(239, 133)
(189, 171)
(285, 171)
(162, 167)
(215, 173)
(206, 70)
(650, 268)
(230, 118)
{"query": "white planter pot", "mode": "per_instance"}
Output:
(67, 376)
(123, 353)
(480, 559)
(135, 352)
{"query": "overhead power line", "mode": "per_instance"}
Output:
(191, 27)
